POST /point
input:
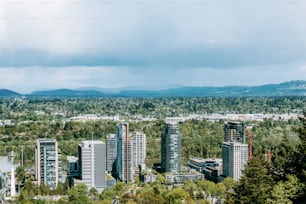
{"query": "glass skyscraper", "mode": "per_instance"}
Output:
(171, 148)
(111, 151)
(123, 166)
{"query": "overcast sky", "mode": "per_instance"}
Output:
(46, 44)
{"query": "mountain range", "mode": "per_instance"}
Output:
(292, 88)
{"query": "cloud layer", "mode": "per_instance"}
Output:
(135, 42)
(206, 33)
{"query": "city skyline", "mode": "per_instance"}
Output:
(153, 44)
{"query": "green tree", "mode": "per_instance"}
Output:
(299, 164)
(202, 201)
(176, 195)
(221, 190)
(256, 184)
(108, 194)
(160, 179)
(94, 194)
(208, 186)
(20, 172)
(103, 202)
(285, 191)
(229, 183)
(150, 195)
(190, 187)
(78, 194)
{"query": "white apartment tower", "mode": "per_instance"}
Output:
(123, 167)
(139, 148)
(235, 157)
(48, 164)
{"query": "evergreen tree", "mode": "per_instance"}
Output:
(255, 185)
(282, 162)
(299, 164)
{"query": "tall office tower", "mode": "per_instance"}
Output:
(123, 166)
(235, 157)
(111, 151)
(48, 165)
(92, 163)
(139, 148)
(234, 132)
(171, 148)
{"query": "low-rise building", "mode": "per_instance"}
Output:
(146, 175)
(213, 173)
(178, 178)
(199, 164)
(73, 166)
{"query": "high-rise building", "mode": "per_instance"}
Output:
(92, 163)
(234, 132)
(48, 163)
(171, 148)
(139, 148)
(235, 157)
(123, 166)
(111, 151)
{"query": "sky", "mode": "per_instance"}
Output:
(150, 44)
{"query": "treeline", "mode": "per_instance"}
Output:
(37, 109)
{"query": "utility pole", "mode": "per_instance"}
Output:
(22, 155)
(250, 134)
(269, 155)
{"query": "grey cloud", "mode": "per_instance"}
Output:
(156, 33)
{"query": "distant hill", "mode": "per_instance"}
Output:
(293, 88)
(8, 93)
(68, 93)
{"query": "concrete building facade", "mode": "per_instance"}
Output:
(92, 163)
(235, 157)
(139, 148)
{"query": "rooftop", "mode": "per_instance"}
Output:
(207, 160)
(87, 143)
(72, 159)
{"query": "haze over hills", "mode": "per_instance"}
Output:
(292, 88)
